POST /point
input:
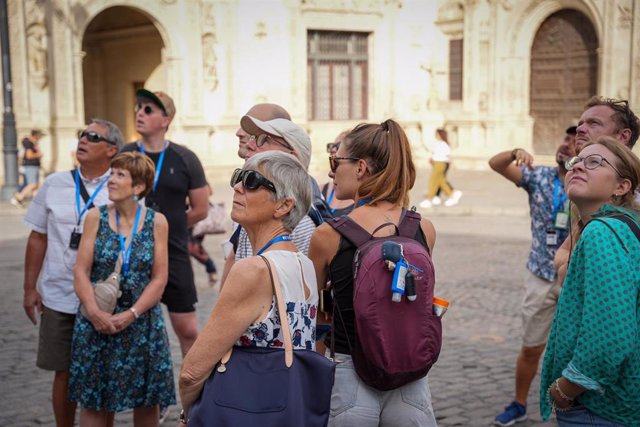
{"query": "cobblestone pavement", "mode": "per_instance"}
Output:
(480, 256)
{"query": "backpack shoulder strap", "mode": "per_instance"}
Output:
(624, 218)
(409, 223)
(350, 230)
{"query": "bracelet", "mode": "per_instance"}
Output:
(514, 153)
(561, 393)
(183, 417)
(552, 403)
(135, 312)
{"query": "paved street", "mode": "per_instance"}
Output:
(480, 257)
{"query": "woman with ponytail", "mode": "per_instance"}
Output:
(374, 167)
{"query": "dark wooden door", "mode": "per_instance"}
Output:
(564, 70)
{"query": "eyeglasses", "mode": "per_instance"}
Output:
(332, 146)
(334, 162)
(146, 109)
(94, 137)
(251, 180)
(262, 139)
(590, 162)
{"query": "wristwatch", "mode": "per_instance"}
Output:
(514, 153)
(183, 417)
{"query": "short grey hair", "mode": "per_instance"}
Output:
(113, 133)
(290, 179)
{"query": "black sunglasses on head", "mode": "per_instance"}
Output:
(251, 180)
(94, 137)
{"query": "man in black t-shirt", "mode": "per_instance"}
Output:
(179, 177)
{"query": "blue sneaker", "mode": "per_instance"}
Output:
(514, 413)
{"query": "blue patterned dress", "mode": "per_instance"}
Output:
(131, 368)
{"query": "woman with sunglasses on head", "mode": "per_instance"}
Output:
(121, 360)
(373, 167)
(271, 195)
(591, 369)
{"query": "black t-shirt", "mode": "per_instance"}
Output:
(27, 144)
(341, 275)
(181, 171)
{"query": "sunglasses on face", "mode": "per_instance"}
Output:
(592, 161)
(146, 109)
(262, 139)
(94, 137)
(334, 162)
(251, 180)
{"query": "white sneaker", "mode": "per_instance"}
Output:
(436, 201)
(450, 202)
(426, 204)
(456, 195)
(17, 203)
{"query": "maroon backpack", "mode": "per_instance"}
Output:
(396, 342)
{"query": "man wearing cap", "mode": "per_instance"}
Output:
(277, 132)
(30, 166)
(179, 176)
(56, 218)
(549, 209)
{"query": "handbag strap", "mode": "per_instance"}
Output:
(282, 312)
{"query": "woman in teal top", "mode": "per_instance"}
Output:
(591, 368)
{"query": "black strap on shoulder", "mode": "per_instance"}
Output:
(631, 223)
(83, 191)
(621, 217)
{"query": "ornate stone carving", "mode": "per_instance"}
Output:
(37, 44)
(209, 57)
(625, 15)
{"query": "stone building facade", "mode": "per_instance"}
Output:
(496, 73)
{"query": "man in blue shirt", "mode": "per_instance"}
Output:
(549, 210)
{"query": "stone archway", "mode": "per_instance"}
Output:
(123, 52)
(564, 71)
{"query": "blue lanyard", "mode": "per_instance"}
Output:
(557, 200)
(91, 199)
(330, 199)
(126, 252)
(159, 165)
(364, 201)
(281, 238)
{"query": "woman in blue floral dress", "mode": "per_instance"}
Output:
(122, 360)
(591, 369)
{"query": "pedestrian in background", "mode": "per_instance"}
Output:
(440, 162)
(56, 217)
(30, 166)
(591, 369)
(549, 210)
(122, 360)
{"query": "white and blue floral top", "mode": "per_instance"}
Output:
(295, 271)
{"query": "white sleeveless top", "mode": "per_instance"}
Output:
(295, 271)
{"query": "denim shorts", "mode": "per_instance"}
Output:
(581, 417)
(31, 174)
(353, 403)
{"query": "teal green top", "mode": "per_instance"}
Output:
(595, 335)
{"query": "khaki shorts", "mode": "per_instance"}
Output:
(54, 343)
(538, 307)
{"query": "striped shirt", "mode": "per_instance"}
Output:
(53, 212)
(301, 237)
